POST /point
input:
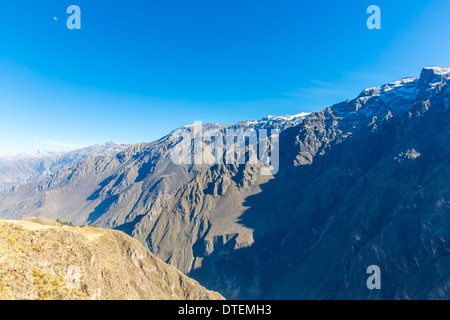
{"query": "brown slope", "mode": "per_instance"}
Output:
(41, 259)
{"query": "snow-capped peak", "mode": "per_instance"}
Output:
(438, 70)
(268, 122)
(408, 87)
(276, 122)
(404, 86)
(396, 96)
(295, 117)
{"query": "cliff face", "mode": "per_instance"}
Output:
(364, 182)
(41, 259)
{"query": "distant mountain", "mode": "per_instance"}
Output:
(42, 259)
(23, 167)
(363, 182)
(14, 156)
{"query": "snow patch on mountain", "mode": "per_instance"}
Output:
(438, 70)
(276, 122)
(395, 96)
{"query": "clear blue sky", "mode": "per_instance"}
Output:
(138, 69)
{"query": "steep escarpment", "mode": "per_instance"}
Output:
(363, 182)
(42, 259)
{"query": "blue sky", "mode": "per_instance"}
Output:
(138, 69)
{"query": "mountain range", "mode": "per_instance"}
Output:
(363, 182)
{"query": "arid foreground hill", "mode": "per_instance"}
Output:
(42, 259)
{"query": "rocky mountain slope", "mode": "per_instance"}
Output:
(21, 168)
(42, 259)
(363, 182)
(115, 191)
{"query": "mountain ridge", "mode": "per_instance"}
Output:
(362, 182)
